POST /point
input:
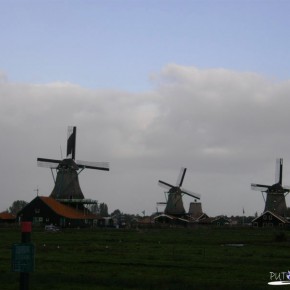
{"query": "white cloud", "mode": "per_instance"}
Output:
(227, 127)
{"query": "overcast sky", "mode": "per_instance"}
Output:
(152, 86)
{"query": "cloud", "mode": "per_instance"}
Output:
(226, 127)
(223, 109)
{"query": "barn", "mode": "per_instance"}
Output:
(270, 219)
(44, 210)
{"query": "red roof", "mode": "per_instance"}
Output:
(7, 216)
(64, 210)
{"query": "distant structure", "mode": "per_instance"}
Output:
(174, 204)
(275, 194)
(269, 219)
(195, 210)
(67, 188)
(47, 210)
(6, 217)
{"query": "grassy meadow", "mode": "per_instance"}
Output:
(202, 258)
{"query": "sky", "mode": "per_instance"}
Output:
(152, 86)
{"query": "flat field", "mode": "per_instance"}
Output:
(202, 258)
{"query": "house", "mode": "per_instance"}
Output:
(44, 210)
(220, 221)
(215, 221)
(6, 217)
(107, 222)
(270, 219)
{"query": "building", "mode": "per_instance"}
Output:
(44, 210)
(107, 222)
(195, 210)
(6, 217)
(199, 218)
(270, 219)
(220, 221)
(169, 219)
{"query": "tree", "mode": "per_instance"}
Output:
(116, 212)
(17, 206)
(104, 210)
(94, 208)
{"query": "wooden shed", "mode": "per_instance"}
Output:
(46, 210)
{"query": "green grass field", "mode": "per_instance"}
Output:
(150, 258)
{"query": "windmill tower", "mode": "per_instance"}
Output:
(195, 209)
(67, 188)
(174, 205)
(275, 194)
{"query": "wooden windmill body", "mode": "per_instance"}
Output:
(174, 204)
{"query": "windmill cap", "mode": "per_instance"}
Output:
(68, 163)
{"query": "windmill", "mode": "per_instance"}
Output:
(67, 187)
(174, 204)
(275, 199)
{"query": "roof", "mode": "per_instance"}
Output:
(171, 217)
(199, 218)
(207, 220)
(218, 218)
(164, 215)
(64, 210)
(7, 216)
(282, 219)
(145, 220)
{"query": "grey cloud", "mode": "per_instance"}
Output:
(227, 127)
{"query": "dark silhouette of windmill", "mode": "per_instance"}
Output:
(174, 204)
(67, 187)
(275, 199)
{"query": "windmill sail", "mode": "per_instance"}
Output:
(165, 184)
(260, 187)
(181, 177)
(93, 165)
(279, 170)
(48, 163)
(71, 142)
(190, 193)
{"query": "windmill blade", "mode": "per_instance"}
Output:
(260, 187)
(71, 142)
(161, 203)
(181, 177)
(286, 187)
(279, 171)
(165, 184)
(48, 163)
(190, 193)
(93, 165)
